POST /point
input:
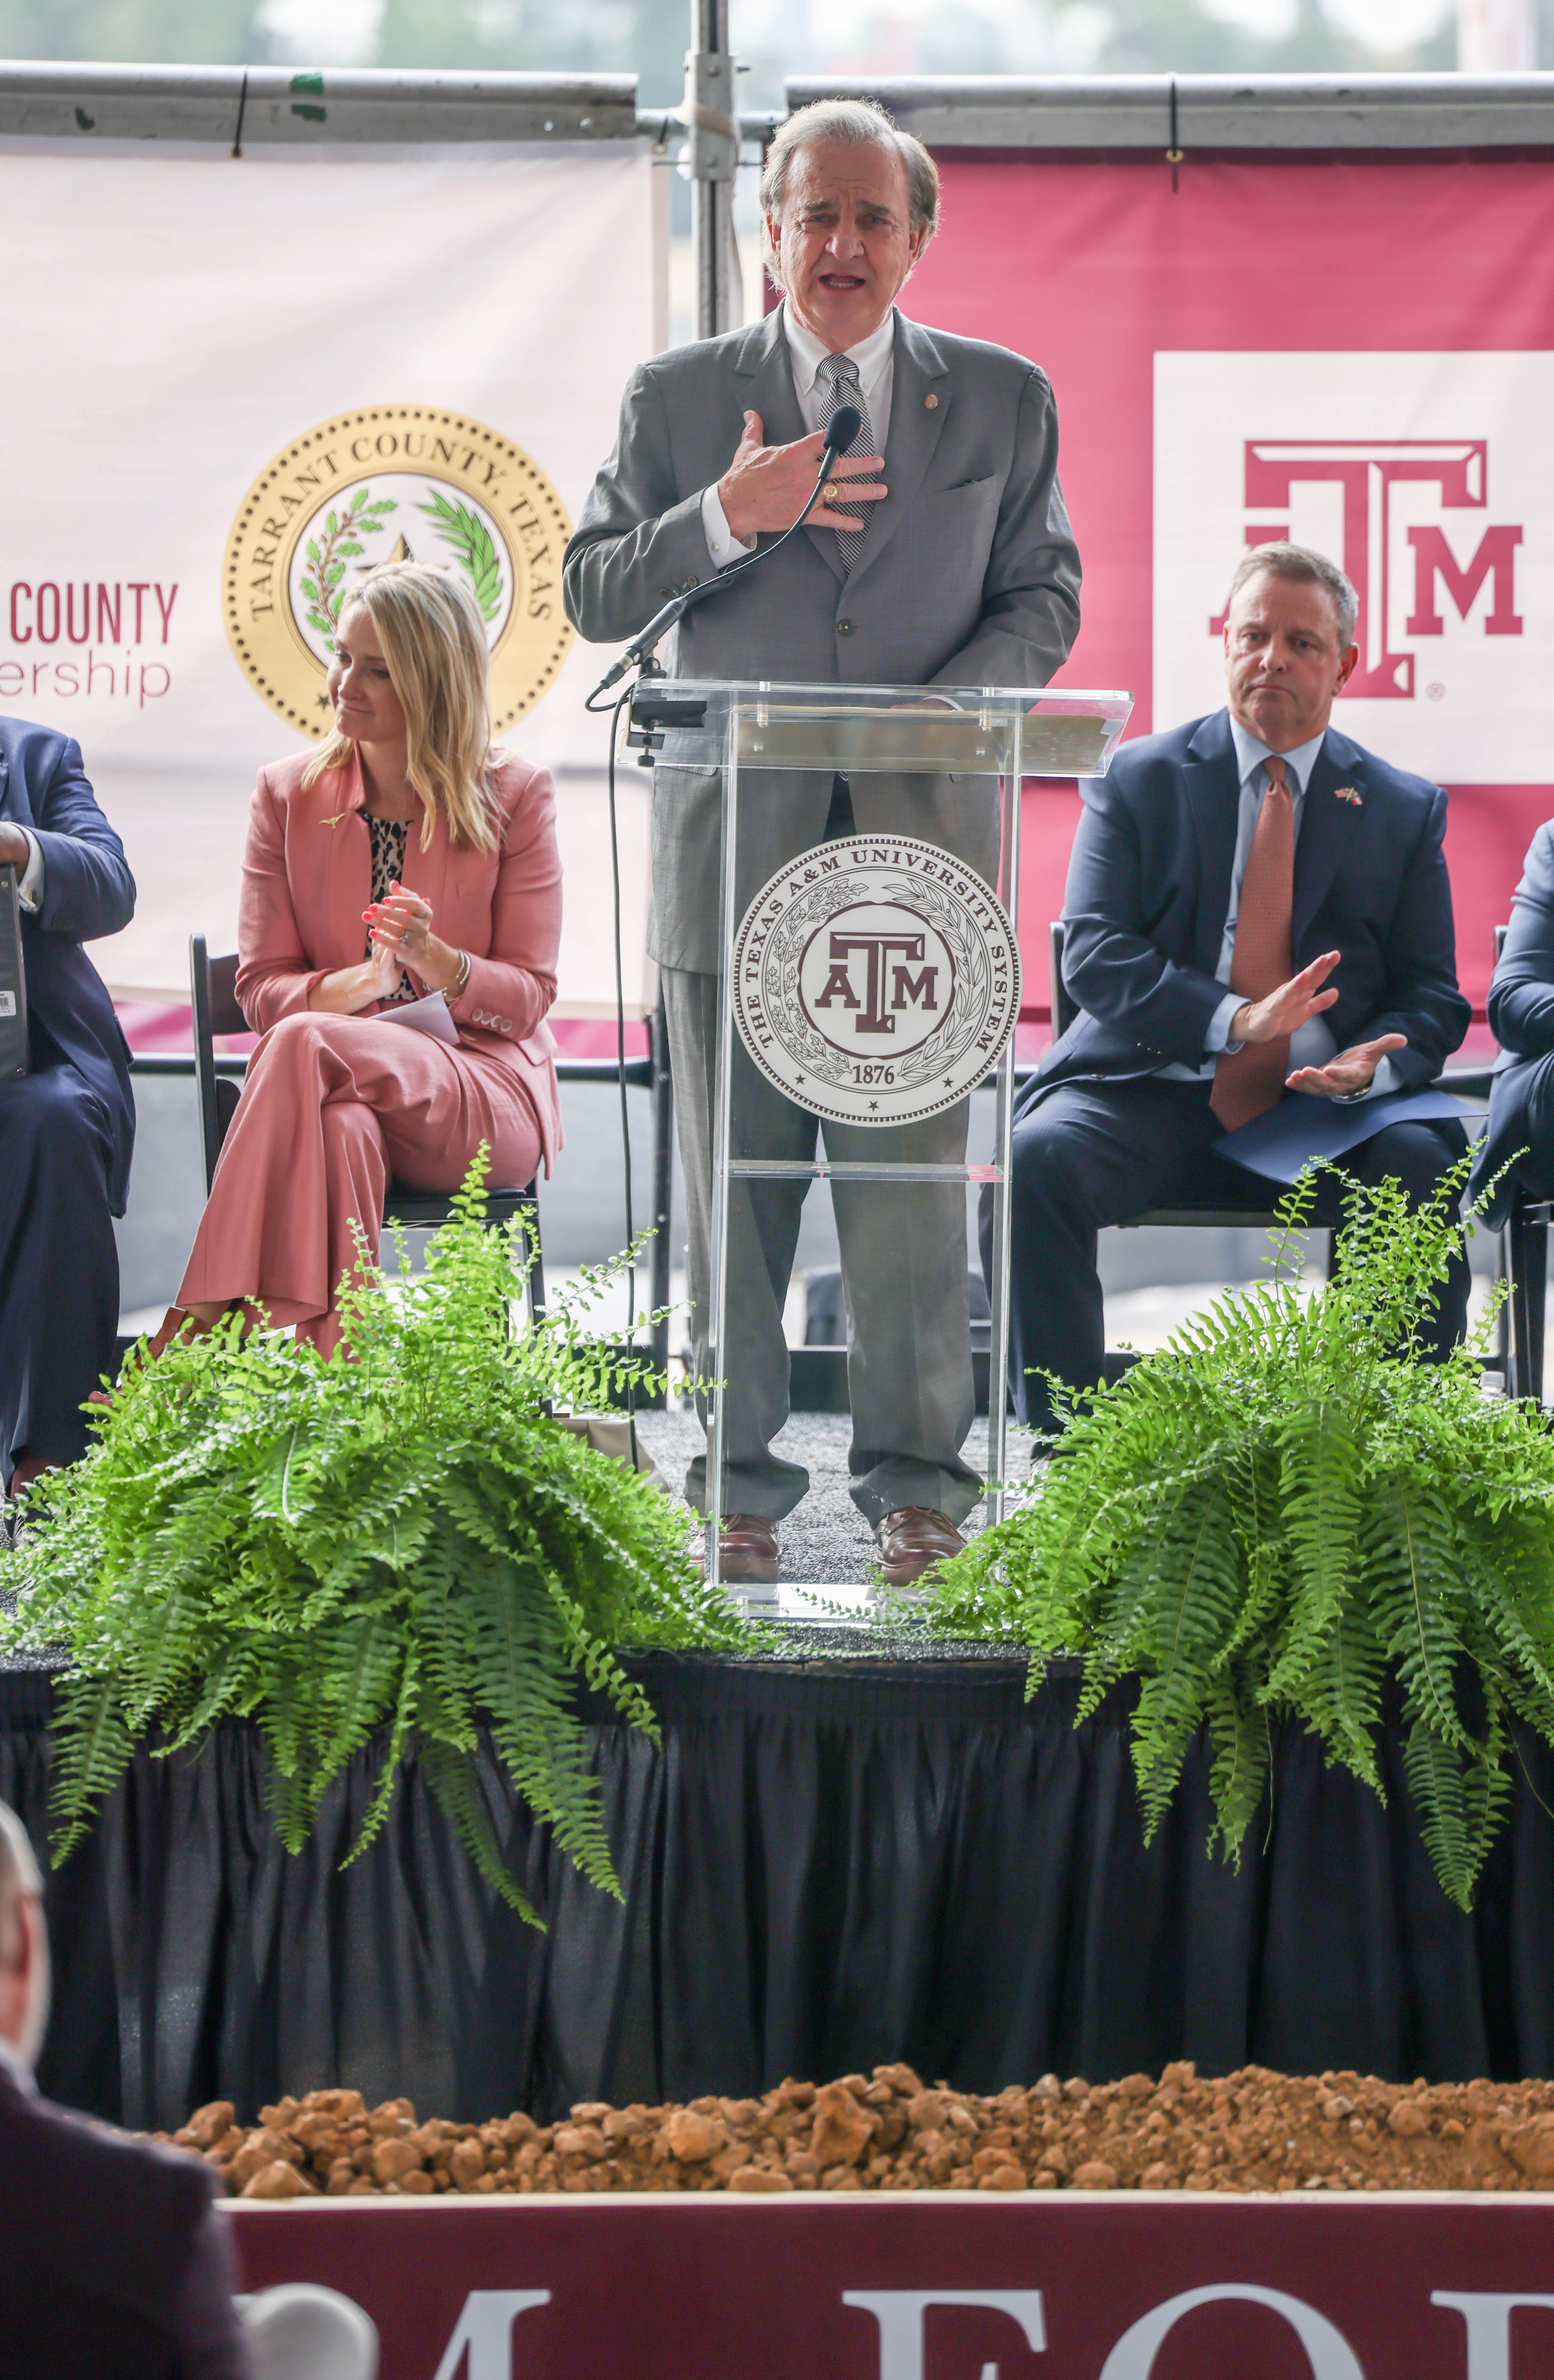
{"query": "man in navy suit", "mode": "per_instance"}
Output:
(1519, 1144)
(1255, 905)
(67, 1127)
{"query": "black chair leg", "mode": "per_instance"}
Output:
(534, 1291)
(1527, 1260)
(1535, 1276)
(1504, 1343)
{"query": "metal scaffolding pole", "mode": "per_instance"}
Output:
(713, 154)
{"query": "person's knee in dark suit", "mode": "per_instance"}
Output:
(59, 1281)
(1515, 1158)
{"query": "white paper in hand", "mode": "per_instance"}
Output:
(428, 1015)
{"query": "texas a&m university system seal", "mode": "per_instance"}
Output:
(876, 980)
(391, 483)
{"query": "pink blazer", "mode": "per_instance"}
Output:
(308, 877)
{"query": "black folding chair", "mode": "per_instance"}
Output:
(214, 1003)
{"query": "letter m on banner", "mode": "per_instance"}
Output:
(1495, 559)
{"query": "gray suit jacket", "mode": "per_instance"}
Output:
(969, 576)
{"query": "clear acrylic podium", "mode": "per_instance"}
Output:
(866, 1003)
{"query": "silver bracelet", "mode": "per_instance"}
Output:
(462, 975)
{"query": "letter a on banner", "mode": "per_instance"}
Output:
(1327, 2350)
(485, 2332)
(898, 2314)
(1487, 2314)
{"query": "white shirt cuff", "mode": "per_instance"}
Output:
(722, 544)
(1217, 1040)
(1385, 1079)
(31, 884)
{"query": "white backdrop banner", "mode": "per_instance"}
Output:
(227, 380)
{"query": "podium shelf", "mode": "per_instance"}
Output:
(820, 1169)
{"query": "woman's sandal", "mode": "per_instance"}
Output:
(177, 1321)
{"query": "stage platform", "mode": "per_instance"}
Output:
(846, 1850)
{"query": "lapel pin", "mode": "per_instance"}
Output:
(930, 402)
(335, 820)
(1348, 794)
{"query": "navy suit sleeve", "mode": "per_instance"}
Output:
(87, 890)
(1421, 999)
(1116, 972)
(1522, 991)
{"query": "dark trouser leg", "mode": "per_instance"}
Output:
(58, 1264)
(763, 1233)
(1417, 1154)
(1088, 1155)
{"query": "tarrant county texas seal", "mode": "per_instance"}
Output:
(876, 982)
(385, 483)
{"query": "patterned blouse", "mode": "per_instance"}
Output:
(388, 838)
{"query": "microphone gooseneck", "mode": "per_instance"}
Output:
(840, 432)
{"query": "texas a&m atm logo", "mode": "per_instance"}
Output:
(1425, 476)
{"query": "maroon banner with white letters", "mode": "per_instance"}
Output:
(1357, 353)
(935, 2287)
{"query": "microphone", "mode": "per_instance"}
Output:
(841, 431)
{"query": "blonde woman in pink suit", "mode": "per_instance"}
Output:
(403, 857)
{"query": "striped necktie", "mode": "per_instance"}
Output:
(841, 374)
(1249, 1083)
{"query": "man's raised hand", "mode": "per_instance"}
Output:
(767, 487)
(1286, 1010)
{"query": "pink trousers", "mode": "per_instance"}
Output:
(331, 1108)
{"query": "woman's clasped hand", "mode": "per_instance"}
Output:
(400, 929)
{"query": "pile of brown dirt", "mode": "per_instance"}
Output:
(1254, 2130)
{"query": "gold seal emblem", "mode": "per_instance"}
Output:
(388, 483)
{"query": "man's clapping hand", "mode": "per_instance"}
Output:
(1286, 1010)
(767, 487)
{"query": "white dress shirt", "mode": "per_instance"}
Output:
(31, 885)
(17, 2067)
(1313, 1044)
(875, 360)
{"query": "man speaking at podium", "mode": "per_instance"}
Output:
(944, 555)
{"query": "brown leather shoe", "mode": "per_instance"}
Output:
(913, 1541)
(747, 1551)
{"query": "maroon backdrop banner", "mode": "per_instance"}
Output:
(1358, 353)
(936, 2288)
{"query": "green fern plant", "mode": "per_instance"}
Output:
(1281, 1511)
(400, 1538)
